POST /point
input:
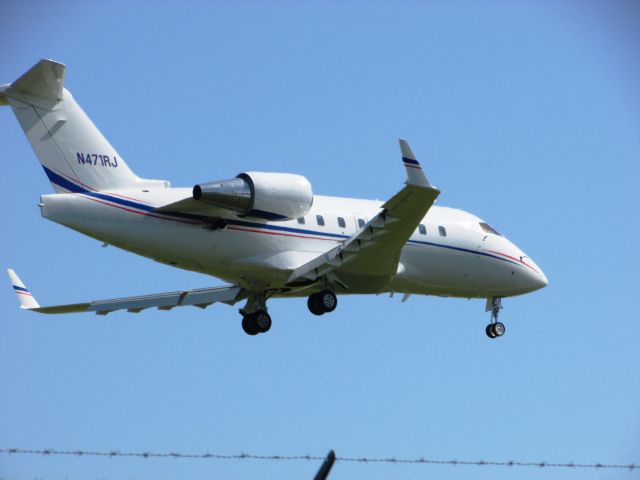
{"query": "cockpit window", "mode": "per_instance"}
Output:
(486, 228)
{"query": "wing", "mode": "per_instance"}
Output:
(201, 297)
(375, 248)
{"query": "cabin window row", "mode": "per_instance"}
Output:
(422, 230)
(321, 223)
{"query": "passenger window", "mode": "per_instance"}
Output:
(320, 220)
(442, 230)
(301, 220)
(341, 222)
(422, 229)
(360, 222)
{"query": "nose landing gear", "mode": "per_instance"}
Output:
(495, 328)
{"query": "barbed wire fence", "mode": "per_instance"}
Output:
(280, 458)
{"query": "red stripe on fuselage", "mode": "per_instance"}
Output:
(135, 211)
(514, 259)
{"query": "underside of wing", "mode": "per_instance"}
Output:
(201, 297)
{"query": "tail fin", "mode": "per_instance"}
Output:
(72, 151)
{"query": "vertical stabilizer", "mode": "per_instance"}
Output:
(72, 151)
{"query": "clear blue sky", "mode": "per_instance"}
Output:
(524, 113)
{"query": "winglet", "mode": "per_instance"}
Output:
(27, 301)
(415, 175)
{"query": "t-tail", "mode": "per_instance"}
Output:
(74, 154)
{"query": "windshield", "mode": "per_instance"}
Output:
(488, 228)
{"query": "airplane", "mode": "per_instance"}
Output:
(266, 234)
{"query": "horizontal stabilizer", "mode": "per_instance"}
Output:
(45, 79)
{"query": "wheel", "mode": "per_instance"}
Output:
(249, 325)
(262, 321)
(489, 331)
(313, 303)
(327, 300)
(498, 329)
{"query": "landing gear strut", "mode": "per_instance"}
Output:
(322, 302)
(255, 318)
(495, 328)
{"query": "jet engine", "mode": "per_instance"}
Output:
(274, 196)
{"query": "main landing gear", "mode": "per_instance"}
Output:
(495, 328)
(255, 318)
(256, 322)
(322, 302)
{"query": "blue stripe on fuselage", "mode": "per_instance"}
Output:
(460, 249)
(74, 188)
(280, 228)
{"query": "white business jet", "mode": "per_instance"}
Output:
(266, 234)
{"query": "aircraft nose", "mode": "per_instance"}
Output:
(536, 279)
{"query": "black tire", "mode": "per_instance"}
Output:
(489, 331)
(498, 329)
(249, 325)
(262, 321)
(313, 303)
(327, 301)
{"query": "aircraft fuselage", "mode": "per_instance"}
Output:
(451, 256)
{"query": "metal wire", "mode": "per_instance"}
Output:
(250, 456)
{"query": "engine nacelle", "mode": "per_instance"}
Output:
(274, 196)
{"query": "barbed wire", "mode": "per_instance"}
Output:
(363, 460)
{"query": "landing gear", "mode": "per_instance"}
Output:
(495, 328)
(255, 318)
(488, 330)
(322, 302)
(256, 322)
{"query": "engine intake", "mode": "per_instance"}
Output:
(274, 196)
